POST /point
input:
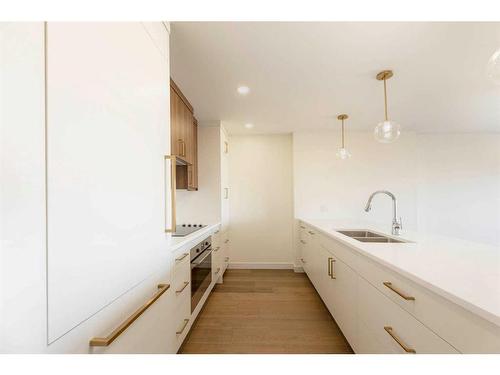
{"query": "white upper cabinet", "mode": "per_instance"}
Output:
(107, 134)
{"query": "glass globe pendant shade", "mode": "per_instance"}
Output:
(343, 154)
(493, 68)
(387, 131)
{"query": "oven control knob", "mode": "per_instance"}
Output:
(183, 225)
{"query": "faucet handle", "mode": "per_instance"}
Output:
(400, 223)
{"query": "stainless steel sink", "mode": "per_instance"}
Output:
(367, 236)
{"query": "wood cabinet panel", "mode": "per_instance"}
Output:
(184, 139)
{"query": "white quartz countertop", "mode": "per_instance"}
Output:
(175, 243)
(466, 273)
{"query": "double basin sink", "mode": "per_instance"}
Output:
(367, 236)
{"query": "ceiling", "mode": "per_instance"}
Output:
(302, 75)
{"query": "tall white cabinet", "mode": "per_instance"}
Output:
(85, 126)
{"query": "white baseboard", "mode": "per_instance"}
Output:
(260, 266)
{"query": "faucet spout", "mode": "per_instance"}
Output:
(396, 223)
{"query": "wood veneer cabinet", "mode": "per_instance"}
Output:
(183, 138)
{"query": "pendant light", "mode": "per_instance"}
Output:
(386, 131)
(342, 153)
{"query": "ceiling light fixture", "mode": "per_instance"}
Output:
(249, 126)
(493, 68)
(386, 131)
(243, 90)
(342, 153)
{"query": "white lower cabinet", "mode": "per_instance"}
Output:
(149, 334)
(392, 328)
(379, 311)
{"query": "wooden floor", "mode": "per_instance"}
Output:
(265, 311)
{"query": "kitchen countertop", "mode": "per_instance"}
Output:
(175, 243)
(466, 273)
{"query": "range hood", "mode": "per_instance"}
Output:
(180, 161)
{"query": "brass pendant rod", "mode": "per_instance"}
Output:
(385, 100)
(343, 133)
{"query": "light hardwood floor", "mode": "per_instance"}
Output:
(265, 311)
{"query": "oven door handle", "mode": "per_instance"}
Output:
(201, 258)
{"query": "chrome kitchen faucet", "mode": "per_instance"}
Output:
(397, 225)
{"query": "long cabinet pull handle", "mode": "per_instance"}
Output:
(186, 283)
(310, 232)
(106, 341)
(216, 249)
(398, 292)
(173, 187)
(303, 227)
(183, 148)
(405, 347)
(330, 266)
(302, 260)
(184, 325)
(226, 193)
(303, 242)
(332, 274)
(181, 257)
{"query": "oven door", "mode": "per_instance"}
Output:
(201, 276)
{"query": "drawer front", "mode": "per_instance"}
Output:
(341, 251)
(216, 238)
(393, 329)
(181, 262)
(465, 331)
(181, 274)
(302, 230)
(181, 320)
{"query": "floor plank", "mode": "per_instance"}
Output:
(264, 311)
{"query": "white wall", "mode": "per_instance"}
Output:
(459, 186)
(261, 212)
(330, 188)
(446, 184)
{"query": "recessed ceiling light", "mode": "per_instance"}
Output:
(243, 90)
(249, 126)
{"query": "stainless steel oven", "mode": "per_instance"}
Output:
(201, 270)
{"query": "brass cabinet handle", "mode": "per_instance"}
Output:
(302, 241)
(179, 148)
(181, 257)
(218, 270)
(216, 249)
(310, 232)
(405, 347)
(226, 241)
(106, 341)
(173, 188)
(226, 259)
(332, 273)
(398, 292)
(302, 260)
(183, 147)
(330, 266)
(186, 321)
(216, 232)
(303, 227)
(186, 283)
